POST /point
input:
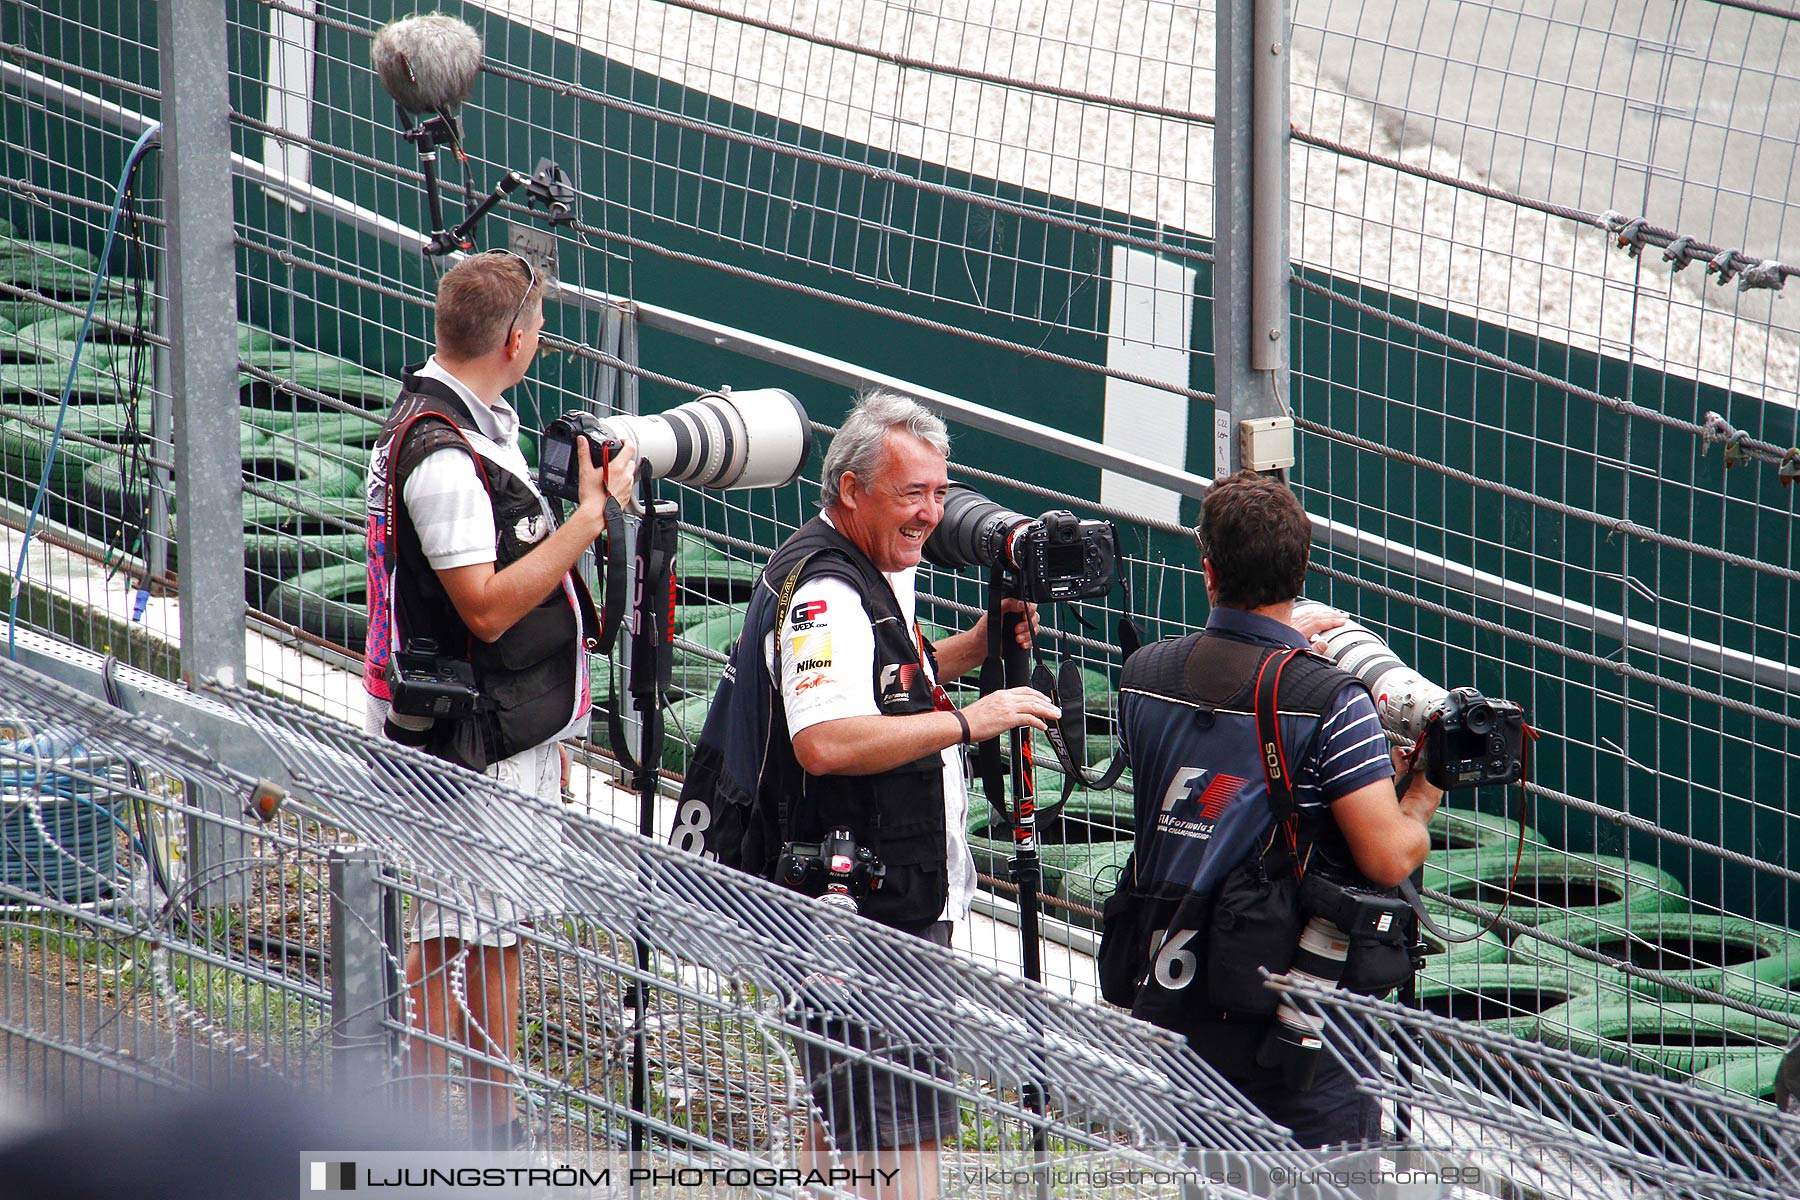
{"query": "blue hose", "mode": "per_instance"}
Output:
(150, 137)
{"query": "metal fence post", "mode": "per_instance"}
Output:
(1250, 223)
(203, 368)
(365, 992)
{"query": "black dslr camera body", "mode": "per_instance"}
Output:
(425, 683)
(1359, 912)
(559, 473)
(1474, 741)
(836, 868)
(1059, 557)
(1052, 557)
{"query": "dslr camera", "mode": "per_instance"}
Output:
(559, 472)
(1474, 741)
(1053, 557)
(424, 683)
(836, 870)
(1470, 740)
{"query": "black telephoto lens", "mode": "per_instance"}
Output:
(973, 532)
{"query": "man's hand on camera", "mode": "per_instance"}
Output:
(1009, 708)
(1421, 797)
(616, 481)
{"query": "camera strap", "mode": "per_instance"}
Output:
(613, 600)
(1274, 754)
(1068, 736)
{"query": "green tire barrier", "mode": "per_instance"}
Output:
(682, 722)
(1718, 953)
(694, 675)
(55, 272)
(1460, 829)
(1552, 882)
(43, 383)
(348, 437)
(339, 379)
(1090, 818)
(1674, 1040)
(270, 559)
(312, 523)
(714, 626)
(109, 343)
(1503, 996)
(1777, 991)
(25, 432)
(31, 345)
(1091, 880)
(1487, 945)
(1751, 1076)
(704, 573)
(329, 602)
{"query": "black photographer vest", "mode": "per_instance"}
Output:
(531, 673)
(1187, 708)
(745, 794)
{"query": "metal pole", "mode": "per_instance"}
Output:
(652, 663)
(202, 271)
(364, 989)
(1250, 145)
(1269, 128)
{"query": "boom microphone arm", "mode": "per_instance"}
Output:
(429, 66)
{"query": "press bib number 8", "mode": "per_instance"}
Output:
(692, 821)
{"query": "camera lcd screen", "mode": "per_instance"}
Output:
(1065, 560)
(556, 455)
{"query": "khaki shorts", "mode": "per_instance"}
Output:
(468, 912)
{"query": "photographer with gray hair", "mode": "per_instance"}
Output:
(832, 725)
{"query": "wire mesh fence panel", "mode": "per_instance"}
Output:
(1560, 452)
(1534, 1115)
(704, 1008)
(156, 934)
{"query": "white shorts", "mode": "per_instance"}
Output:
(470, 913)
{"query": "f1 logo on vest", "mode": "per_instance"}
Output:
(897, 681)
(1211, 790)
(806, 614)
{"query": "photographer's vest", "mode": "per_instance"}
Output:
(532, 674)
(1201, 797)
(745, 793)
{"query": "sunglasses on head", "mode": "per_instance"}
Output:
(530, 286)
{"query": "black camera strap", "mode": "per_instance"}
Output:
(613, 599)
(988, 765)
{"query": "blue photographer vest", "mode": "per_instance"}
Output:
(745, 794)
(1201, 799)
(534, 673)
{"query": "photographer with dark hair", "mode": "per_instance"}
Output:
(472, 579)
(1213, 862)
(832, 719)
